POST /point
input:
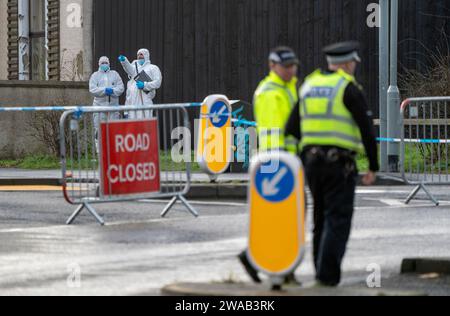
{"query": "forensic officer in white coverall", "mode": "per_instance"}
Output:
(106, 87)
(145, 79)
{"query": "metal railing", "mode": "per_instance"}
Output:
(81, 160)
(425, 155)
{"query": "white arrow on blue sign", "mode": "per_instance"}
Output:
(276, 185)
(219, 114)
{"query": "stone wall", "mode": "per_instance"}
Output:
(16, 134)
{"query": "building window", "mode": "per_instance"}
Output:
(38, 40)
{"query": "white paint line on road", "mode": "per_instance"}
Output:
(25, 229)
(74, 226)
(392, 204)
(178, 219)
(403, 206)
(388, 202)
(119, 223)
(369, 233)
(368, 191)
(197, 203)
(150, 221)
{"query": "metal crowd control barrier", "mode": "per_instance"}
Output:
(425, 155)
(81, 131)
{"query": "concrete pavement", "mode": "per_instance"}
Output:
(11, 173)
(231, 185)
(20, 176)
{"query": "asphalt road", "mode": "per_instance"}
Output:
(137, 252)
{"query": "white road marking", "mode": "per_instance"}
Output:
(391, 202)
(393, 205)
(118, 223)
(397, 203)
(367, 191)
(197, 203)
(404, 206)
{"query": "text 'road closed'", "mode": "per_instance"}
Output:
(130, 157)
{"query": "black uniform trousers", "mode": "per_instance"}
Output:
(331, 178)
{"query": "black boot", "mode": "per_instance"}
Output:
(292, 280)
(248, 267)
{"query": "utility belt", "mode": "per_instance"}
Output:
(329, 154)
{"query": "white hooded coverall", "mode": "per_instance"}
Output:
(136, 97)
(101, 80)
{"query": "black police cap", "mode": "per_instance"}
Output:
(342, 52)
(283, 55)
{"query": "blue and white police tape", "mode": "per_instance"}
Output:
(37, 109)
(83, 107)
(417, 141)
(193, 105)
(89, 108)
(244, 123)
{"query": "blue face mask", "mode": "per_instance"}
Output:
(141, 62)
(104, 68)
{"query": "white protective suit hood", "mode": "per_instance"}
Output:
(102, 60)
(146, 54)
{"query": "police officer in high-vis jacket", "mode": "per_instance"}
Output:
(333, 123)
(273, 102)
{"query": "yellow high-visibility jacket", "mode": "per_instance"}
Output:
(326, 121)
(273, 103)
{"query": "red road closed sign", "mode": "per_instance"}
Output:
(130, 157)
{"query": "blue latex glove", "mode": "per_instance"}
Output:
(122, 58)
(109, 91)
(140, 85)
